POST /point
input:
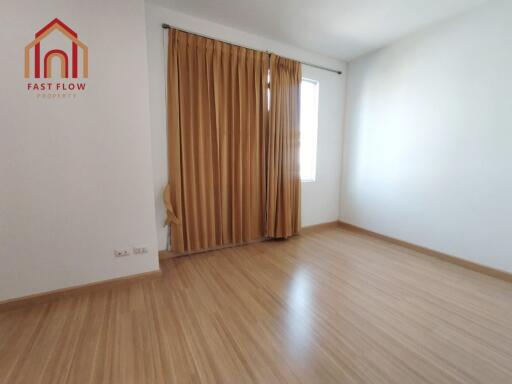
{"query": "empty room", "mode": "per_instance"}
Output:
(235, 191)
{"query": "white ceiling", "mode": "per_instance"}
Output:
(343, 29)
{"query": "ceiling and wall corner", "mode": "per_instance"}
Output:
(342, 29)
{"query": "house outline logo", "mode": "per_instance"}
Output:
(51, 54)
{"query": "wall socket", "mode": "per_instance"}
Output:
(139, 250)
(134, 250)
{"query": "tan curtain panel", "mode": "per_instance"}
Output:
(217, 127)
(283, 172)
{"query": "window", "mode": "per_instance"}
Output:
(308, 129)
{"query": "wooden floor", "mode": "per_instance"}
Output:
(330, 306)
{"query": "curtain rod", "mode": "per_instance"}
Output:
(167, 26)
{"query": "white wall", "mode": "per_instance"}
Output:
(321, 199)
(428, 141)
(75, 174)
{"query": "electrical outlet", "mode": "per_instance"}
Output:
(139, 250)
(121, 252)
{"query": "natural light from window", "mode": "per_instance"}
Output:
(308, 129)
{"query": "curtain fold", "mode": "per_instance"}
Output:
(283, 207)
(217, 127)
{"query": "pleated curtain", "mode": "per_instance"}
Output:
(219, 128)
(283, 171)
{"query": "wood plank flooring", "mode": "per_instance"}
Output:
(330, 306)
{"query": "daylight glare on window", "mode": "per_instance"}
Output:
(308, 129)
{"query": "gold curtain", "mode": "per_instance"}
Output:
(217, 124)
(283, 172)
